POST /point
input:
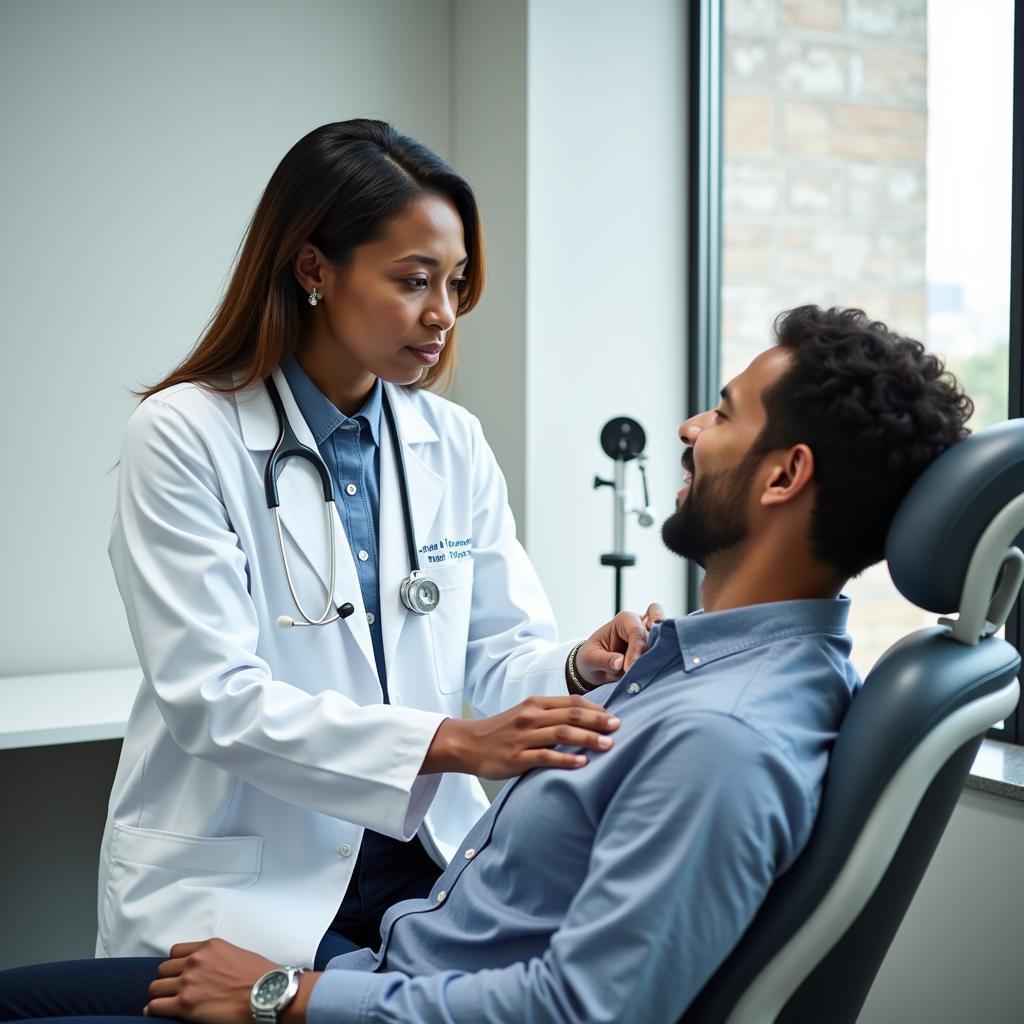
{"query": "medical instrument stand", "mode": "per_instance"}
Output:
(623, 440)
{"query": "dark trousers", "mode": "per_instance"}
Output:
(117, 988)
(98, 989)
(101, 989)
(386, 873)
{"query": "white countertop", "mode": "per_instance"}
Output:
(66, 707)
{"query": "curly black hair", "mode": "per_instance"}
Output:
(875, 408)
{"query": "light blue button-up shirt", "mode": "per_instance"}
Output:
(612, 892)
(350, 448)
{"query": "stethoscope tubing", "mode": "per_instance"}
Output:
(325, 617)
(403, 482)
(289, 446)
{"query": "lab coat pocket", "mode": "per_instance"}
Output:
(152, 872)
(449, 623)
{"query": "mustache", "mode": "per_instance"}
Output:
(687, 461)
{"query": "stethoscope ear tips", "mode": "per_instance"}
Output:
(285, 622)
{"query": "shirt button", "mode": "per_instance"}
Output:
(351, 489)
(633, 688)
(470, 854)
(441, 895)
(371, 618)
(363, 556)
(696, 661)
(345, 850)
(397, 698)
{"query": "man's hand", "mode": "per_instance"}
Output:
(611, 651)
(206, 981)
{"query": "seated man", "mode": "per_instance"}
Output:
(613, 893)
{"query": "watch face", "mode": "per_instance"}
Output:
(271, 988)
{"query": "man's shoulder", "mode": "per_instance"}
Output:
(780, 703)
(796, 694)
(803, 680)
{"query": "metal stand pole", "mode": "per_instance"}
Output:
(623, 439)
(618, 558)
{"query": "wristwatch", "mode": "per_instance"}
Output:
(272, 993)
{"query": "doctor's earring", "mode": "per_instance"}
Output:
(314, 297)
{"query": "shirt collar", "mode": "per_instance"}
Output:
(320, 413)
(704, 637)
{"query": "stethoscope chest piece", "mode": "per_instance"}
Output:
(420, 594)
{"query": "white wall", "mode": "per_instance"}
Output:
(489, 149)
(135, 139)
(585, 190)
(606, 288)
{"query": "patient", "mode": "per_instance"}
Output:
(613, 894)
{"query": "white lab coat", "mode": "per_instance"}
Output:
(255, 756)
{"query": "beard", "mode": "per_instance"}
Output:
(712, 518)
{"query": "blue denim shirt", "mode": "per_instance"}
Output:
(613, 891)
(350, 447)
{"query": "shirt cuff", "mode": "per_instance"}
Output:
(346, 997)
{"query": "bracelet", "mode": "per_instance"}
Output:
(572, 676)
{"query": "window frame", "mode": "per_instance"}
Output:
(1013, 731)
(704, 207)
(704, 247)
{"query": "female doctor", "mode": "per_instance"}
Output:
(282, 784)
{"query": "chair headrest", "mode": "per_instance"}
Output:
(935, 532)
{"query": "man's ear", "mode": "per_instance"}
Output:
(309, 265)
(791, 474)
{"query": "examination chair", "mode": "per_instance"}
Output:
(902, 755)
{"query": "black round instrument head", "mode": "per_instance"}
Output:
(623, 438)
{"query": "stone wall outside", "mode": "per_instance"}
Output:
(824, 193)
(824, 178)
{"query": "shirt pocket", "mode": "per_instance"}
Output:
(449, 623)
(164, 887)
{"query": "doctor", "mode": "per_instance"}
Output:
(282, 784)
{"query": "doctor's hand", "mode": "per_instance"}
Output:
(611, 650)
(211, 981)
(519, 739)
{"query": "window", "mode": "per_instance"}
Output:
(858, 153)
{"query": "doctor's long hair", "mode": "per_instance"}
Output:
(338, 187)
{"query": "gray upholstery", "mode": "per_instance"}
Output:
(939, 523)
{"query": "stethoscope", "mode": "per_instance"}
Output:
(419, 593)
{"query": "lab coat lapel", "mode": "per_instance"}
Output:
(426, 490)
(304, 513)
